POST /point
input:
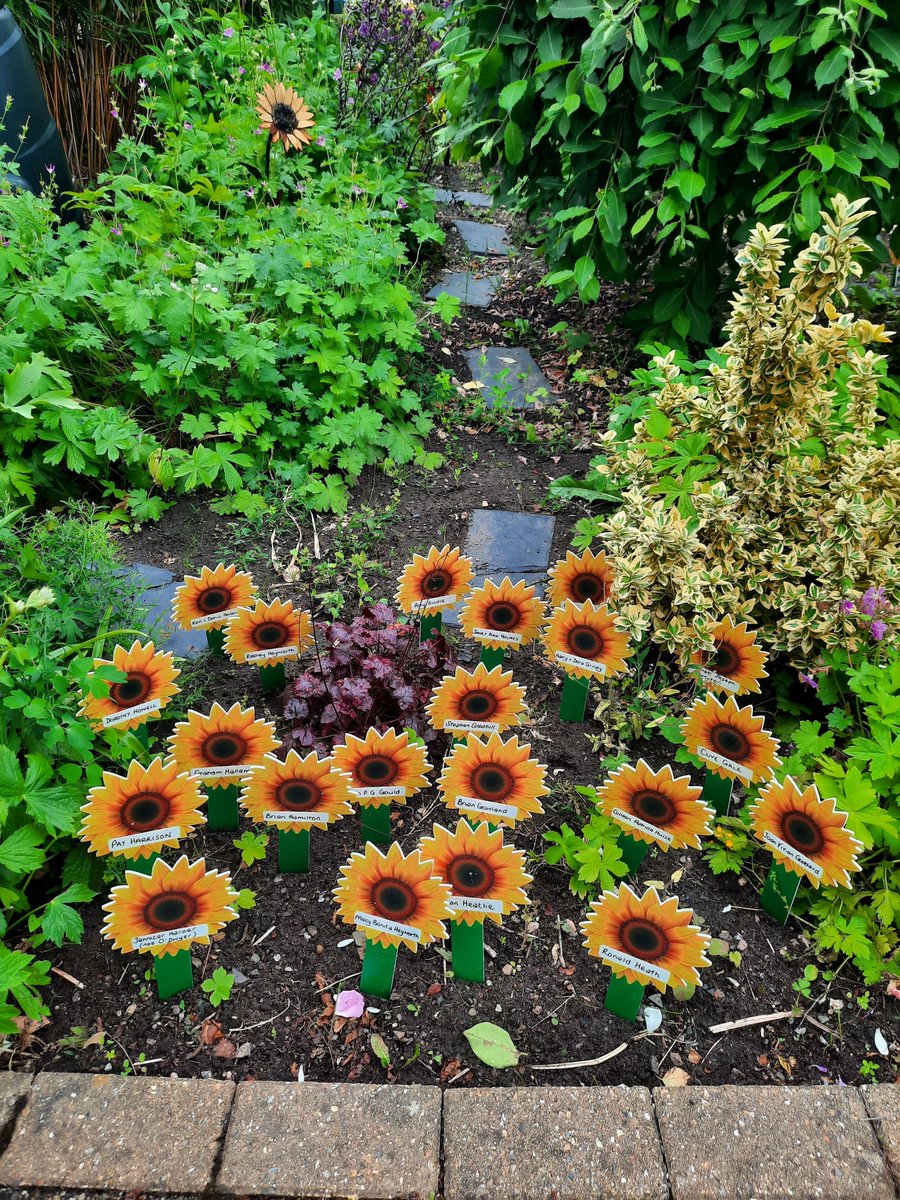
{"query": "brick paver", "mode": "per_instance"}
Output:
(882, 1101)
(770, 1143)
(103, 1131)
(338, 1140)
(551, 1143)
(13, 1088)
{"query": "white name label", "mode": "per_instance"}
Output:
(274, 652)
(658, 835)
(128, 714)
(378, 793)
(231, 771)
(150, 837)
(187, 933)
(617, 958)
(586, 664)
(489, 807)
(472, 726)
(227, 614)
(794, 855)
(435, 602)
(394, 928)
(475, 904)
(296, 818)
(725, 763)
(498, 635)
(714, 679)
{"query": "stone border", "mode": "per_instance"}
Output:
(340, 1141)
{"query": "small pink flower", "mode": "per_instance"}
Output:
(250, 193)
(320, 140)
(117, 230)
(188, 125)
(350, 1004)
(228, 32)
(114, 112)
(810, 681)
(401, 203)
(142, 84)
(242, 70)
(267, 67)
(847, 606)
(878, 629)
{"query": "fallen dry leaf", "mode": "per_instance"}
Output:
(434, 989)
(210, 1032)
(695, 1057)
(676, 1077)
(225, 1048)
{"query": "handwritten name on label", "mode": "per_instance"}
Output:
(714, 679)
(607, 954)
(275, 652)
(231, 771)
(725, 763)
(394, 928)
(489, 807)
(128, 714)
(186, 933)
(472, 726)
(226, 614)
(654, 831)
(586, 664)
(378, 793)
(150, 837)
(475, 904)
(296, 818)
(498, 635)
(794, 855)
(434, 602)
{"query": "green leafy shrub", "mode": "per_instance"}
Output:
(653, 132)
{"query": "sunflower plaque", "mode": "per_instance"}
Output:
(489, 779)
(478, 701)
(734, 745)
(396, 900)
(585, 641)
(809, 839)
(580, 577)
(487, 881)
(736, 665)
(165, 913)
(382, 769)
(431, 583)
(502, 616)
(128, 703)
(268, 635)
(644, 940)
(210, 600)
(296, 796)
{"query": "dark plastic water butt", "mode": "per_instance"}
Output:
(43, 146)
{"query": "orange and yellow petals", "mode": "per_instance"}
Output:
(170, 909)
(211, 599)
(478, 701)
(486, 878)
(394, 898)
(270, 632)
(730, 739)
(655, 806)
(128, 814)
(503, 615)
(584, 640)
(644, 939)
(737, 664)
(434, 581)
(299, 793)
(580, 577)
(382, 768)
(148, 688)
(493, 780)
(222, 746)
(805, 833)
(284, 115)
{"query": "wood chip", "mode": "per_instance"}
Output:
(587, 1062)
(727, 1026)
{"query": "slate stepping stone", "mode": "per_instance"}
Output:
(475, 290)
(510, 376)
(483, 239)
(158, 589)
(443, 196)
(502, 543)
(473, 199)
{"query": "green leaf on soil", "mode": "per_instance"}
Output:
(492, 1045)
(380, 1050)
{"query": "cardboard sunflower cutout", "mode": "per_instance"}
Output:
(212, 598)
(502, 615)
(223, 745)
(298, 792)
(135, 815)
(487, 879)
(478, 701)
(580, 577)
(285, 116)
(730, 739)
(737, 664)
(433, 581)
(147, 689)
(655, 807)
(493, 779)
(584, 640)
(269, 633)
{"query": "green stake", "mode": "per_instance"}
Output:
(174, 973)
(222, 806)
(429, 622)
(293, 850)
(779, 892)
(574, 698)
(215, 642)
(467, 950)
(272, 677)
(143, 865)
(717, 793)
(633, 850)
(142, 733)
(376, 823)
(377, 978)
(624, 998)
(491, 657)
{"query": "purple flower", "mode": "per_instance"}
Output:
(4, 242)
(250, 193)
(349, 1004)
(847, 606)
(117, 230)
(228, 32)
(264, 66)
(872, 599)
(114, 112)
(188, 125)
(337, 75)
(373, 77)
(810, 681)
(434, 44)
(50, 168)
(242, 70)
(320, 140)
(878, 629)
(356, 189)
(142, 85)
(401, 203)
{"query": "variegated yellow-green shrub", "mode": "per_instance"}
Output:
(794, 508)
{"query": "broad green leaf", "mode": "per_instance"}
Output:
(22, 851)
(689, 183)
(513, 143)
(832, 66)
(492, 1045)
(512, 94)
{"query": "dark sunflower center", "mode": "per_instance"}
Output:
(146, 810)
(585, 642)
(725, 660)
(492, 782)
(643, 939)
(214, 599)
(393, 899)
(801, 832)
(587, 587)
(436, 583)
(223, 749)
(284, 118)
(478, 706)
(377, 770)
(730, 742)
(502, 615)
(298, 795)
(269, 634)
(653, 807)
(171, 910)
(133, 690)
(470, 876)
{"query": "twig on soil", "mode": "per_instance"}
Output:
(68, 978)
(818, 1024)
(328, 986)
(710, 1050)
(562, 957)
(262, 937)
(587, 1062)
(727, 1026)
(267, 1021)
(555, 1011)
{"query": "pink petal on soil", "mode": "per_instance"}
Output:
(349, 1004)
